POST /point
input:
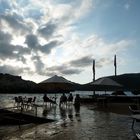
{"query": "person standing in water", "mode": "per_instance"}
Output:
(77, 105)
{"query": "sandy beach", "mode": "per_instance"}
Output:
(90, 124)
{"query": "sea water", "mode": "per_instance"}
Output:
(7, 100)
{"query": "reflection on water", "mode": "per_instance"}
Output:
(70, 113)
(71, 123)
(49, 110)
(64, 112)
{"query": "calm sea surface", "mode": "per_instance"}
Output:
(88, 124)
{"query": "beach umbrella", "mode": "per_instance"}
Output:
(57, 84)
(106, 84)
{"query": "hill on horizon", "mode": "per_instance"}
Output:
(15, 84)
(130, 81)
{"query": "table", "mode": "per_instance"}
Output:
(135, 118)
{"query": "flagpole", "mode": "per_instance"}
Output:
(115, 64)
(93, 68)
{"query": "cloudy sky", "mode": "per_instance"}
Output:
(41, 38)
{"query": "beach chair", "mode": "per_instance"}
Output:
(138, 136)
(33, 100)
(16, 101)
(134, 109)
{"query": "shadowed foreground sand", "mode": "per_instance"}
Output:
(90, 124)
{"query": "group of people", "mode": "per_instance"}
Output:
(64, 100)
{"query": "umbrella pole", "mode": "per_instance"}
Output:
(94, 93)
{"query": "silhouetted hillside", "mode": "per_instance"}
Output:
(15, 84)
(129, 81)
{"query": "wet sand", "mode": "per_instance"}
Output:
(91, 123)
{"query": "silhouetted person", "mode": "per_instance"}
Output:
(70, 99)
(46, 98)
(63, 99)
(77, 100)
(77, 104)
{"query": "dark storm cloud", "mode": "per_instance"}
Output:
(47, 30)
(15, 21)
(13, 52)
(6, 50)
(82, 62)
(32, 41)
(63, 69)
(88, 61)
(5, 37)
(20, 53)
(10, 51)
(49, 46)
(22, 50)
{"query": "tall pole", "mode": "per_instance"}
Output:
(93, 68)
(115, 64)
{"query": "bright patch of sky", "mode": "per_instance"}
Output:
(41, 38)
